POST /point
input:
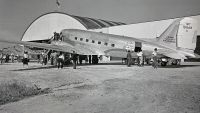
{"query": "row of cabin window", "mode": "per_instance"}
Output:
(99, 42)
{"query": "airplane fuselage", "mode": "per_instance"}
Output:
(102, 44)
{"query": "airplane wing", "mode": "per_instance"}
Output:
(58, 47)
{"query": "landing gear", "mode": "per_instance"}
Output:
(175, 62)
(148, 61)
(95, 59)
(163, 62)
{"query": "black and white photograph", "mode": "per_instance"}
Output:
(99, 56)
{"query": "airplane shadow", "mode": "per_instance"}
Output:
(120, 63)
(5, 64)
(104, 63)
(178, 66)
(35, 68)
(70, 65)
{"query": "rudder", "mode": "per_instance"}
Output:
(187, 34)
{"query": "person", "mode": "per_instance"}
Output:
(12, 57)
(129, 58)
(52, 58)
(38, 58)
(18, 58)
(61, 60)
(56, 58)
(140, 58)
(44, 58)
(7, 58)
(74, 59)
(155, 60)
(56, 36)
(25, 59)
(1, 56)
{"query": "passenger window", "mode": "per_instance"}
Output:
(87, 40)
(99, 42)
(106, 43)
(75, 38)
(81, 39)
(113, 45)
(93, 41)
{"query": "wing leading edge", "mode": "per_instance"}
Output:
(65, 48)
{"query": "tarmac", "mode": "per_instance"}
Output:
(107, 88)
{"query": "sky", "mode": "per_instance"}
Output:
(17, 15)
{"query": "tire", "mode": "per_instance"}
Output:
(163, 63)
(174, 62)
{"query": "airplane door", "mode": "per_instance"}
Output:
(138, 46)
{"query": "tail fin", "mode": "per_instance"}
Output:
(181, 33)
(169, 36)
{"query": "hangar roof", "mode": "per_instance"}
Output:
(91, 23)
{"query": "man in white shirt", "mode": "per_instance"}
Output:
(140, 57)
(25, 59)
(61, 60)
(155, 59)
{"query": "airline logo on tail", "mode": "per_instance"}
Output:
(170, 39)
(187, 26)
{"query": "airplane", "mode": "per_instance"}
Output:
(85, 42)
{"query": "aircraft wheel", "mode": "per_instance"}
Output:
(163, 63)
(148, 61)
(174, 62)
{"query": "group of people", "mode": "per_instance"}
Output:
(140, 58)
(61, 59)
(8, 58)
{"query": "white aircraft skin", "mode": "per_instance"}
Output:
(94, 43)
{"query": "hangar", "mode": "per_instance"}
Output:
(43, 27)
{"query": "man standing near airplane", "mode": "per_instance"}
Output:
(140, 58)
(129, 58)
(155, 60)
(74, 59)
